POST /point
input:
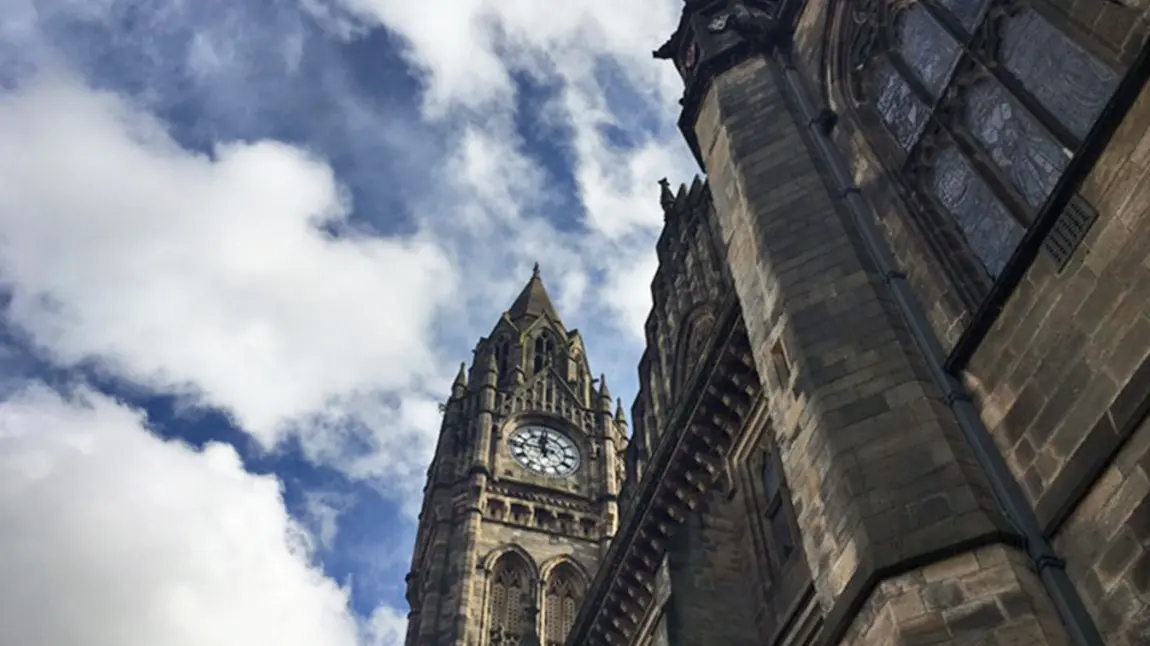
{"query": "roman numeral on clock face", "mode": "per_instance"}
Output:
(544, 450)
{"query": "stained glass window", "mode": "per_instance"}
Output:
(990, 230)
(1022, 150)
(926, 47)
(1062, 75)
(967, 12)
(986, 99)
(901, 110)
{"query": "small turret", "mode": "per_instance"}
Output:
(620, 416)
(490, 375)
(459, 386)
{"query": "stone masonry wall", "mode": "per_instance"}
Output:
(1107, 545)
(1118, 26)
(1064, 379)
(543, 549)
(713, 600)
(989, 596)
(877, 468)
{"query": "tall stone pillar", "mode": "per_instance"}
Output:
(904, 540)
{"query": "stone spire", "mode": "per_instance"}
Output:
(533, 301)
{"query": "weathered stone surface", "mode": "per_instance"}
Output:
(879, 524)
(991, 596)
(1064, 378)
(481, 504)
(889, 459)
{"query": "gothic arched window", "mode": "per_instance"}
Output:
(977, 106)
(544, 346)
(693, 338)
(502, 353)
(510, 593)
(563, 593)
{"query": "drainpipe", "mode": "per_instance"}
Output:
(1050, 567)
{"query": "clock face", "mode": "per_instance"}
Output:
(544, 450)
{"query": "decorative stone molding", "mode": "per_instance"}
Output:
(684, 468)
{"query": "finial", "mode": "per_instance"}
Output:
(666, 197)
(620, 416)
(535, 271)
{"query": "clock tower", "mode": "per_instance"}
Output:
(521, 496)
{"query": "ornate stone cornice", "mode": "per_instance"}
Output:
(715, 35)
(541, 496)
(685, 466)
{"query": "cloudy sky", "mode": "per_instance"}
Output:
(244, 245)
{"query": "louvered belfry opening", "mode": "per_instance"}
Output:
(510, 592)
(564, 591)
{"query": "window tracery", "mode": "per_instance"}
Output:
(694, 334)
(979, 104)
(564, 591)
(502, 352)
(509, 595)
(544, 347)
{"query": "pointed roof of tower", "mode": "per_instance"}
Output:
(533, 301)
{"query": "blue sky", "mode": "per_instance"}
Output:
(244, 245)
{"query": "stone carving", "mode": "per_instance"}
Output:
(666, 50)
(867, 37)
(691, 57)
(987, 38)
(696, 333)
(754, 21)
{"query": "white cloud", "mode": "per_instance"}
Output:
(113, 537)
(468, 47)
(321, 513)
(384, 440)
(206, 275)
(597, 53)
(210, 276)
(386, 627)
(623, 286)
